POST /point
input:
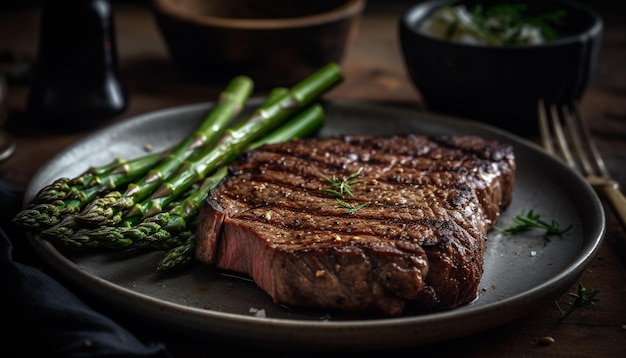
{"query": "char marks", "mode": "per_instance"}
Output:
(287, 188)
(417, 239)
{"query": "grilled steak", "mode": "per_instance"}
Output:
(411, 235)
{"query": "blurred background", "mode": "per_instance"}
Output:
(143, 53)
(374, 71)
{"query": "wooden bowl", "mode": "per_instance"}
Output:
(276, 43)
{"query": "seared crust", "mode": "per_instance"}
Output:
(417, 242)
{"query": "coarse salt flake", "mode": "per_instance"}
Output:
(257, 312)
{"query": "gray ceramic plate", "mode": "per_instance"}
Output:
(521, 273)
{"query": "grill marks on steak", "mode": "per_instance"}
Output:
(419, 243)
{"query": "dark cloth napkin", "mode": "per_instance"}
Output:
(41, 317)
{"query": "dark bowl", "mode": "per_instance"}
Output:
(276, 43)
(501, 84)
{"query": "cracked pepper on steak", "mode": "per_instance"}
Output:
(414, 240)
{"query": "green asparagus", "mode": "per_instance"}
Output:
(67, 196)
(230, 103)
(111, 205)
(64, 188)
(178, 256)
(124, 233)
(152, 231)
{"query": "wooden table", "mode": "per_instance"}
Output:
(374, 72)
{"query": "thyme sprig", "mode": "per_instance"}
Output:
(342, 187)
(349, 208)
(582, 297)
(531, 220)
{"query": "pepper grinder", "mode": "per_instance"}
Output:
(76, 83)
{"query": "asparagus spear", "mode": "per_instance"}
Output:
(75, 234)
(230, 103)
(46, 212)
(67, 196)
(155, 230)
(63, 188)
(178, 256)
(152, 231)
(215, 123)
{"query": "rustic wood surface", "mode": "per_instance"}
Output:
(374, 72)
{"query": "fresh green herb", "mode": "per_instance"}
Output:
(507, 22)
(350, 209)
(529, 221)
(342, 187)
(583, 297)
(499, 24)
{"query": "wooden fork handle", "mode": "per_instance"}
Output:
(616, 200)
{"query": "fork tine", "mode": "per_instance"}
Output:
(583, 145)
(576, 135)
(559, 135)
(590, 144)
(544, 129)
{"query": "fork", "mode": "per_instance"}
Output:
(564, 133)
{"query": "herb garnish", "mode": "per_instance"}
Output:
(506, 22)
(351, 209)
(499, 24)
(342, 187)
(583, 297)
(530, 221)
